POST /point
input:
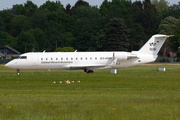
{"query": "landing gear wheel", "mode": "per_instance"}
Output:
(88, 71)
(85, 70)
(18, 73)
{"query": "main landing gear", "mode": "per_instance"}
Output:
(88, 71)
(18, 73)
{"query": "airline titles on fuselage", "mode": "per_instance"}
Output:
(59, 62)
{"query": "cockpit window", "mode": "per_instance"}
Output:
(23, 57)
(18, 57)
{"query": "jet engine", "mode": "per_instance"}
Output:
(124, 55)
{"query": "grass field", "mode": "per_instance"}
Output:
(135, 93)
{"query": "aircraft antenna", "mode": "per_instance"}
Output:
(44, 51)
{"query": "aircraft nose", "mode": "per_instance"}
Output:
(9, 65)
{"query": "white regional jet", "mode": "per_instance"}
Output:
(89, 61)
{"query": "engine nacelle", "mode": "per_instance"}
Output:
(121, 55)
(124, 55)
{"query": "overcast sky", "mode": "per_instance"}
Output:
(4, 4)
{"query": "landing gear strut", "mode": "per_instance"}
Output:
(88, 71)
(18, 73)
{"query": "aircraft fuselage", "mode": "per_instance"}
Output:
(78, 60)
(89, 61)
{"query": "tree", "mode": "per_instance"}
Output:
(169, 26)
(18, 10)
(135, 11)
(51, 6)
(64, 49)
(86, 26)
(98, 38)
(148, 17)
(78, 4)
(17, 25)
(62, 18)
(104, 2)
(36, 21)
(175, 42)
(26, 42)
(2, 26)
(6, 39)
(69, 39)
(30, 8)
(160, 5)
(116, 37)
(68, 9)
(54, 33)
(116, 8)
(135, 33)
(39, 37)
(174, 10)
(6, 19)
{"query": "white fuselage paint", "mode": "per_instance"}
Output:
(63, 60)
(89, 61)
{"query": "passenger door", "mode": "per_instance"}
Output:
(34, 59)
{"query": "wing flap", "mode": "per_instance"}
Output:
(89, 67)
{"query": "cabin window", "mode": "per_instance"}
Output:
(46, 58)
(71, 58)
(86, 58)
(18, 57)
(139, 60)
(81, 58)
(41, 58)
(100, 58)
(56, 58)
(66, 58)
(90, 58)
(95, 58)
(76, 58)
(61, 58)
(51, 58)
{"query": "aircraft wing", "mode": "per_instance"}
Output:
(89, 67)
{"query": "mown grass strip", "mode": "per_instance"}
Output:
(139, 92)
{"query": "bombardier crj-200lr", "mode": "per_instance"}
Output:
(89, 61)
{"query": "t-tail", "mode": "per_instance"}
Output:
(154, 44)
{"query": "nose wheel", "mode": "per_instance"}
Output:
(18, 73)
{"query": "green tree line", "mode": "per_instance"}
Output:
(115, 25)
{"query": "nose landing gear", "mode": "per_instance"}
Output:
(18, 72)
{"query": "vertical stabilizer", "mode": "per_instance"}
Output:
(154, 44)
